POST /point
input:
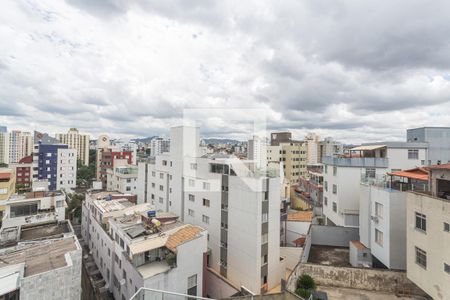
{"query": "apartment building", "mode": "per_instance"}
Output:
(4, 158)
(293, 155)
(280, 137)
(342, 175)
(77, 141)
(382, 215)
(329, 147)
(310, 187)
(159, 146)
(40, 261)
(122, 178)
(106, 157)
(135, 246)
(312, 145)
(237, 203)
(56, 163)
(33, 207)
(428, 235)
(438, 139)
(7, 187)
(24, 173)
(257, 151)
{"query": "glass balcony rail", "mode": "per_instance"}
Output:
(152, 294)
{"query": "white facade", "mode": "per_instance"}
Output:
(77, 141)
(240, 210)
(126, 145)
(123, 178)
(257, 151)
(4, 147)
(382, 224)
(342, 176)
(159, 146)
(312, 145)
(127, 262)
(66, 172)
(33, 208)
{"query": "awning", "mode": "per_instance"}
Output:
(148, 245)
(367, 147)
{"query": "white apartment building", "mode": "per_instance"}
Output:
(33, 207)
(135, 246)
(159, 146)
(122, 178)
(257, 151)
(329, 147)
(428, 235)
(126, 145)
(342, 176)
(40, 261)
(382, 215)
(312, 148)
(77, 141)
(4, 144)
(238, 205)
(66, 172)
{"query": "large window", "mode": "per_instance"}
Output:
(334, 207)
(24, 210)
(447, 268)
(334, 170)
(334, 189)
(379, 210)
(205, 219)
(191, 197)
(370, 172)
(192, 285)
(413, 154)
(421, 258)
(379, 237)
(206, 202)
(421, 222)
(446, 227)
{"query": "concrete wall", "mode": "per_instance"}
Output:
(217, 287)
(393, 282)
(291, 256)
(294, 230)
(333, 235)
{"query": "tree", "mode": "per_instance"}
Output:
(3, 165)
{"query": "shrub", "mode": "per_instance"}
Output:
(305, 294)
(306, 282)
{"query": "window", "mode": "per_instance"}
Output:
(164, 162)
(379, 237)
(264, 259)
(3, 191)
(191, 212)
(23, 210)
(370, 172)
(191, 197)
(421, 222)
(265, 217)
(193, 166)
(413, 154)
(446, 268)
(191, 182)
(206, 186)
(205, 219)
(264, 238)
(379, 210)
(334, 207)
(334, 189)
(161, 200)
(206, 202)
(153, 185)
(421, 258)
(334, 170)
(192, 285)
(446, 227)
(161, 175)
(325, 185)
(325, 200)
(326, 169)
(161, 188)
(153, 173)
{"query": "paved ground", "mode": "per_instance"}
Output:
(351, 294)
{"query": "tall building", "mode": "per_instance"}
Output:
(7, 187)
(237, 205)
(329, 147)
(24, 173)
(293, 156)
(14, 146)
(159, 146)
(26, 144)
(56, 163)
(135, 246)
(3, 129)
(4, 147)
(77, 141)
(280, 137)
(428, 235)
(257, 151)
(312, 152)
(438, 139)
(342, 175)
(122, 178)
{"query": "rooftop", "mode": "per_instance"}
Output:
(34, 195)
(358, 245)
(329, 256)
(48, 230)
(420, 173)
(39, 258)
(443, 166)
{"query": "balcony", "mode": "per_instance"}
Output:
(147, 294)
(365, 162)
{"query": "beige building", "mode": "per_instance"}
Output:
(77, 141)
(428, 235)
(293, 155)
(7, 187)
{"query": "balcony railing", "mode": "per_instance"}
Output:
(372, 162)
(152, 294)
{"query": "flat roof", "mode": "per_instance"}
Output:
(152, 269)
(300, 216)
(39, 258)
(48, 230)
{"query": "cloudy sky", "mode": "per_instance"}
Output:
(354, 70)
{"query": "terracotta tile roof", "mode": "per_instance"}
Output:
(186, 233)
(5, 174)
(300, 216)
(358, 245)
(300, 241)
(26, 160)
(417, 173)
(443, 166)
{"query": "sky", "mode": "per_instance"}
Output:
(354, 70)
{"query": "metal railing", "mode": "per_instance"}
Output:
(152, 294)
(374, 162)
